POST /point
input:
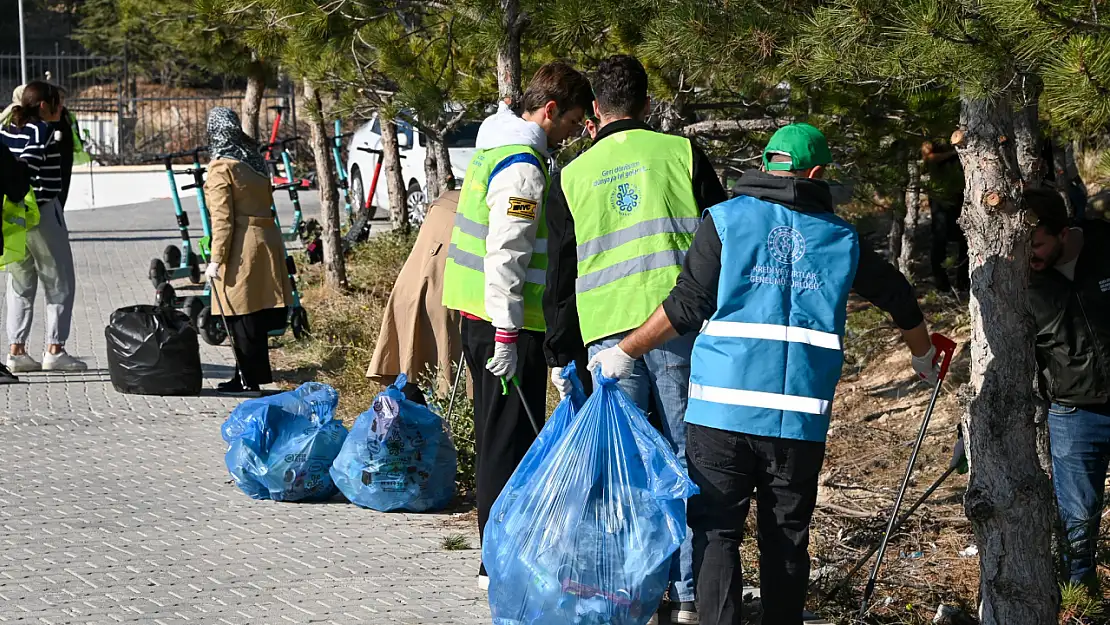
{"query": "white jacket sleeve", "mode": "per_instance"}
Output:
(515, 198)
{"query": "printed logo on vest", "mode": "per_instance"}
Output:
(625, 198)
(786, 245)
(522, 208)
(1104, 285)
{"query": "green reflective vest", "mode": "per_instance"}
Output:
(464, 280)
(632, 199)
(17, 218)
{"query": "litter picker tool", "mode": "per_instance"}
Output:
(523, 402)
(455, 388)
(230, 334)
(945, 348)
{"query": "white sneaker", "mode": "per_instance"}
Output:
(62, 361)
(483, 582)
(23, 363)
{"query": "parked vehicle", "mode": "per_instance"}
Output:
(413, 145)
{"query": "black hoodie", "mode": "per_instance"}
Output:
(694, 297)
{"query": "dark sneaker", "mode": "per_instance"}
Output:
(235, 387)
(6, 376)
(684, 613)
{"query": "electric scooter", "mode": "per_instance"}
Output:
(340, 170)
(196, 307)
(298, 316)
(180, 262)
(290, 184)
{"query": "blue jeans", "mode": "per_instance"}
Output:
(664, 373)
(1080, 453)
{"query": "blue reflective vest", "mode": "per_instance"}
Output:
(768, 361)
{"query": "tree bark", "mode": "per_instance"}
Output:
(335, 269)
(1027, 134)
(508, 52)
(447, 180)
(391, 167)
(431, 170)
(1008, 500)
(909, 221)
(252, 99)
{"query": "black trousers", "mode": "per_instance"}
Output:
(728, 467)
(252, 345)
(502, 431)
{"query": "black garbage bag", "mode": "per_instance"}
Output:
(152, 350)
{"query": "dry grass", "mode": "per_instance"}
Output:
(345, 325)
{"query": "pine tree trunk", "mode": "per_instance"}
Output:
(431, 172)
(393, 180)
(508, 52)
(447, 180)
(252, 99)
(335, 270)
(1009, 500)
(913, 215)
(1027, 134)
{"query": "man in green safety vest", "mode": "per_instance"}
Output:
(620, 218)
(494, 274)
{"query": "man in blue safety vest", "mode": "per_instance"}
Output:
(766, 281)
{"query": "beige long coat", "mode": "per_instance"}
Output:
(417, 331)
(245, 240)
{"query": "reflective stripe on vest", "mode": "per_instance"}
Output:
(768, 361)
(464, 275)
(631, 196)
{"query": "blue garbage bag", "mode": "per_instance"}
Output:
(588, 536)
(552, 431)
(281, 447)
(399, 456)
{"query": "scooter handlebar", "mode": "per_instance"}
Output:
(369, 150)
(296, 184)
(197, 151)
(281, 142)
(946, 348)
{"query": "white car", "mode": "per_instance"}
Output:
(361, 164)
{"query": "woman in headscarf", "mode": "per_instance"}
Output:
(247, 268)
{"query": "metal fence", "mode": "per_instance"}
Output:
(124, 121)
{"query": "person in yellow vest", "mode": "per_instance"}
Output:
(495, 266)
(620, 218)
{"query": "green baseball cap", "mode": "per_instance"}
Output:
(804, 144)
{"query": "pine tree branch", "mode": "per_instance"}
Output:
(1078, 24)
(728, 126)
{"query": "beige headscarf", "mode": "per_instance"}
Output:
(17, 97)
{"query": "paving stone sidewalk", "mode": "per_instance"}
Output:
(118, 509)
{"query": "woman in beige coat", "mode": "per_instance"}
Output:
(418, 334)
(247, 269)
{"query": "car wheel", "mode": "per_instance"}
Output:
(417, 204)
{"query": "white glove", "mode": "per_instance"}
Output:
(503, 363)
(212, 271)
(613, 362)
(561, 384)
(926, 366)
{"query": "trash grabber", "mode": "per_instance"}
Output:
(953, 466)
(520, 393)
(524, 402)
(455, 388)
(230, 335)
(945, 347)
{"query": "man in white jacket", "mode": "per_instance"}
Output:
(496, 265)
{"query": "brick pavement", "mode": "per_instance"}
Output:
(118, 508)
